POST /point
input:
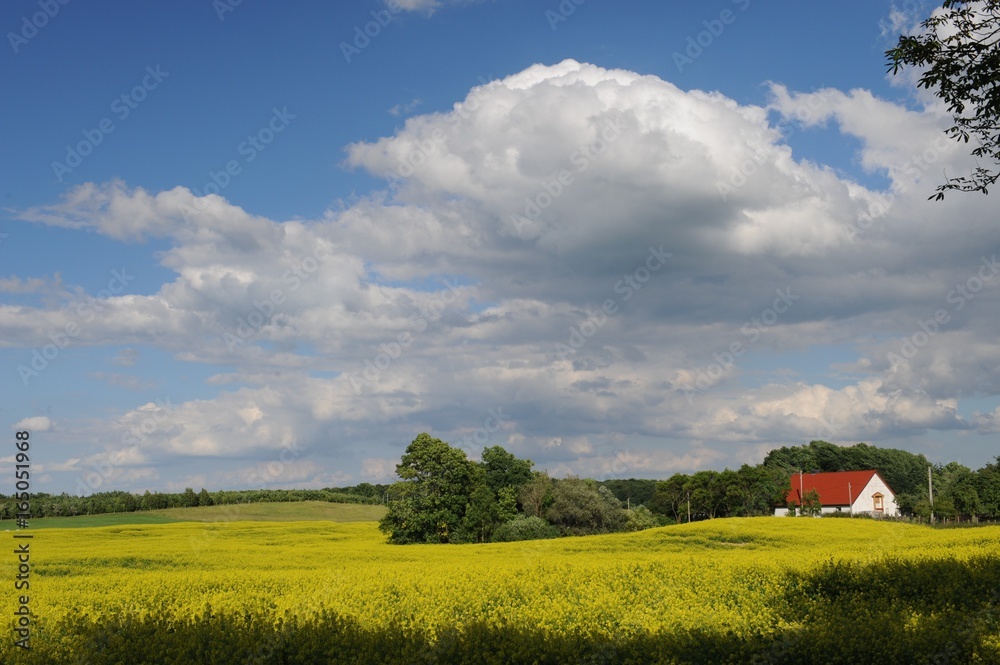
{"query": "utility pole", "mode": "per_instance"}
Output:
(689, 507)
(800, 491)
(850, 497)
(930, 492)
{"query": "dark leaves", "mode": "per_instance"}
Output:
(961, 53)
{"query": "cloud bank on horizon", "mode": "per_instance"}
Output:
(591, 267)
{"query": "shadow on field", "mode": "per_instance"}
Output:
(892, 611)
(889, 612)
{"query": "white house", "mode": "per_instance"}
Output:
(852, 492)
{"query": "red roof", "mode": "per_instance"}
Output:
(836, 488)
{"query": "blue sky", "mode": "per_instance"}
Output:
(234, 180)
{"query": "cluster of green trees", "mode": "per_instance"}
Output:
(959, 492)
(749, 491)
(444, 497)
(67, 505)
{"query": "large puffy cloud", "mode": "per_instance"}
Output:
(587, 266)
(581, 164)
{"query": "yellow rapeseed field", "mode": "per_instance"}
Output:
(737, 590)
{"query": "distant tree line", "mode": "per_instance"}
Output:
(443, 497)
(747, 492)
(66, 505)
(959, 492)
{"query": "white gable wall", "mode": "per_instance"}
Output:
(864, 503)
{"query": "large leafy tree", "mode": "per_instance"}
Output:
(670, 497)
(756, 490)
(502, 469)
(436, 482)
(581, 506)
(493, 501)
(536, 495)
(708, 493)
(487, 511)
(959, 55)
(963, 492)
(988, 489)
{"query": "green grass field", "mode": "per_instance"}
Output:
(269, 512)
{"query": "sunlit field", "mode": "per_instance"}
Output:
(290, 511)
(760, 590)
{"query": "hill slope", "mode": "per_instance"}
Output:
(256, 512)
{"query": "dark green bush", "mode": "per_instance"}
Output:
(524, 528)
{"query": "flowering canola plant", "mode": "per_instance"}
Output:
(733, 590)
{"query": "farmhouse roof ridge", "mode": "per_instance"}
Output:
(835, 488)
